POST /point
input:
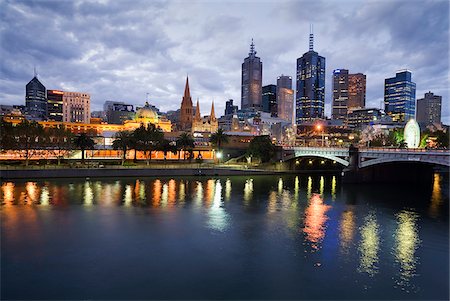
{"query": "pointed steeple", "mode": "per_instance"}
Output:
(198, 116)
(311, 38)
(212, 116)
(187, 93)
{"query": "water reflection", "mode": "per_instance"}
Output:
(248, 190)
(227, 190)
(182, 192)
(406, 243)
(45, 196)
(8, 193)
(347, 231)
(321, 185)
(436, 196)
(315, 219)
(218, 218)
(369, 245)
(128, 196)
(296, 188)
(88, 195)
(309, 188)
(333, 188)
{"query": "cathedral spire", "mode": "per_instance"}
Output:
(198, 116)
(212, 116)
(187, 92)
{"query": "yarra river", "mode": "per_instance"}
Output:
(260, 237)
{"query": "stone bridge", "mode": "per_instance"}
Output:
(365, 157)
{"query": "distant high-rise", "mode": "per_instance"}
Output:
(285, 98)
(35, 99)
(76, 107)
(429, 109)
(400, 97)
(269, 99)
(340, 94)
(186, 113)
(251, 89)
(356, 91)
(230, 109)
(55, 105)
(117, 112)
(310, 100)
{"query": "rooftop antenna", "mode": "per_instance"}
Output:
(35, 72)
(146, 97)
(252, 49)
(311, 38)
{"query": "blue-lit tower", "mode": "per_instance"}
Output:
(310, 99)
(400, 97)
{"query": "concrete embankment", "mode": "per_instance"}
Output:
(123, 172)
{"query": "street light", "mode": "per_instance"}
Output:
(320, 129)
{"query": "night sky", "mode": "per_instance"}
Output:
(122, 50)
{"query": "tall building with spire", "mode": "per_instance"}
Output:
(310, 98)
(35, 99)
(186, 112)
(251, 89)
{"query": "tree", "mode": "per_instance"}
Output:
(218, 139)
(147, 139)
(123, 142)
(83, 142)
(262, 148)
(186, 143)
(30, 138)
(166, 146)
(7, 136)
(60, 140)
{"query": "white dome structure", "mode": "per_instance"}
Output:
(412, 134)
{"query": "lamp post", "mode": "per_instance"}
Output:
(320, 129)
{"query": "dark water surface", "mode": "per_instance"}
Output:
(261, 237)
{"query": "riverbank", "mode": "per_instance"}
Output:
(125, 172)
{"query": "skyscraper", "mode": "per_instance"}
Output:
(429, 109)
(55, 105)
(340, 94)
(285, 98)
(400, 97)
(251, 89)
(186, 112)
(310, 100)
(230, 109)
(35, 99)
(269, 99)
(76, 107)
(356, 91)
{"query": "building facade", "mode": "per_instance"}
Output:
(251, 81)
(429, 109)
(356, 91)
(35, 99)
(400, 97)
(55, 105)
(269, 99)
(285, 98)
(76, 107)
(117, 112)
(340, 94)
(310, 98)
(359, 118)
(186, 112)
(230, 109)
(207, 124)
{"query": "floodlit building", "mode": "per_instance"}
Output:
(186, 112)
(429, 109)
(285, 98)
(400, 97)
(207, 124)
(310, 99)
(35, 99)
(55, 105)
(340, 94)
(76, 107)
(251, 88)
(356, 91)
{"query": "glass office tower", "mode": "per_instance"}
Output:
(400, 97)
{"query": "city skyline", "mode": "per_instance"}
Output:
(132, 55)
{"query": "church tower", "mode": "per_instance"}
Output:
(186, 112)
(212, 116)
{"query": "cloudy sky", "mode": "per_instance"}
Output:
(122, 50)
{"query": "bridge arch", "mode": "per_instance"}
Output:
(425, 160)
(322, 156)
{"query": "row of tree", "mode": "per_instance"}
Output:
(30, 137)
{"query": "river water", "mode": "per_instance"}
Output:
(260, 237)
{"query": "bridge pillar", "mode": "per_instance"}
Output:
(350, 174)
